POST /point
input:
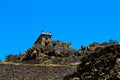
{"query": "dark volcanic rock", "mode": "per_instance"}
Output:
(102, 64)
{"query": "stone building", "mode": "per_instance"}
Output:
(45, 39)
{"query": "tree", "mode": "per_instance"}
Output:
(113, 41)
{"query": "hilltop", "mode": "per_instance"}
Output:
(51, 59)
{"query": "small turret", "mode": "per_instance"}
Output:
(44, 39)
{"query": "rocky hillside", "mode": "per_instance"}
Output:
(102, 64)
(93, 62)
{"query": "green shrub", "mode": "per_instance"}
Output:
(47, 62)
(113, 41)
(9, 78)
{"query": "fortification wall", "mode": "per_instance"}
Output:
(22, 72)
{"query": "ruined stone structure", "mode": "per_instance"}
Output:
(45, 40)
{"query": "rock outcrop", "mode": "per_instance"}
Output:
(102, 64)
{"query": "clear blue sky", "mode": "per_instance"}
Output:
(80, 22)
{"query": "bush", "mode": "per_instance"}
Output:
(48, 62)
(12, 58)
(9, 78)
(113, 41)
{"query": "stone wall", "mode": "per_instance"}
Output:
(27, 72)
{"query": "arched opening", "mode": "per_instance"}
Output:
(46, 44)
(54, 44)
(46, 38)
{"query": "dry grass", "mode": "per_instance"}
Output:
(20, 64)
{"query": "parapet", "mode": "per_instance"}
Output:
(45, 33)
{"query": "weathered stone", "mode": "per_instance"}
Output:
(102, 64)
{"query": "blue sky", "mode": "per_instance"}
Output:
(80, 22)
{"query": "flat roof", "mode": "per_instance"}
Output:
(45, 33)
